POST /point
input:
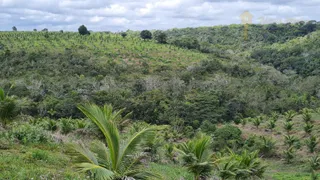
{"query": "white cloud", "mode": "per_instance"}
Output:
(117, 15)
(96, 19)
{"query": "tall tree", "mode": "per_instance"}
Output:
(83, 30)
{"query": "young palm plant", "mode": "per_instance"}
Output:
(288, 126)
(289, 115)
(271, 124)
(311, 143)
(274, 116)
(257, 121)
(314, 166)
(289, 154)
(308, 128)
(290, 140)
(196, 156)
(268, 146)
(114, 160)
(306, 115)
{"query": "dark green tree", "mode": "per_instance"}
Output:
(83, 30)
(160, 37)
(145, 34)
(124, 34)
(14, 28)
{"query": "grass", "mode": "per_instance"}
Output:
(170, 172)
(36, 162)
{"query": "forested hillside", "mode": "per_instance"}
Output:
(199, 80)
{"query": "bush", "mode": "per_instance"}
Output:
(145, 34)
(227, 136)
(27, 133)
(66, 126)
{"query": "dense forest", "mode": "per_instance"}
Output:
(192, 103)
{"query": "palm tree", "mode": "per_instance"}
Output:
(249, 166)
(257, 121)
(314, 166)
(246, 165)
(289, 115)
(306, 115)
(289, 154)
(114, 160)
(196, 156)
(288, 126)
(308, 128)
(311, 143)
(290, 140)
(271, 124)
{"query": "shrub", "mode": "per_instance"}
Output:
(66, 126)
(227, 136)
(27, 133)
(51, 125)
(145, 34)
(8, 107)
(208, 127)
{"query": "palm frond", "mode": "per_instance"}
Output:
(99, 172)
(101, 117)
(137, 138)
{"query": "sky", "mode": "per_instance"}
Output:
(120, 15)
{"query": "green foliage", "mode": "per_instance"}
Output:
(314, 163)
(83, 30)
(160, 37)
(26, 133)
(289, 154)
(52, 125)
(145, 34)
(8, 107)
(291, 140)
(246, 165)
(208, 127)
(271, 124)
(124, 34)
(264, 145)
(227, 136)
(306, 115)
(112, 160)
(196, 156)
(288, 126)
(308, 127)
(312, 143)
(289, 115)
(66, 125)
(257, 121)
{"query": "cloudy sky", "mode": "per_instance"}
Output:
(118, 15)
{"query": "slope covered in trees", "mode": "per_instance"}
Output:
(211, 89)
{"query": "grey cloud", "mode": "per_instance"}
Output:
(115, 15)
